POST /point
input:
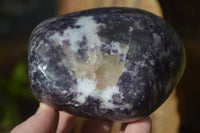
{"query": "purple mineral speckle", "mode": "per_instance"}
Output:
(114, 64)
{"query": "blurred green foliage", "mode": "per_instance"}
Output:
(13, 89)
(18, 18)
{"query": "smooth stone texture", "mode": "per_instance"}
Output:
(117, 64)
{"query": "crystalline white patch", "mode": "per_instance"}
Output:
(116, 46)
(57, 38)
(88, 29)
(42, 69)
(130, 29)
(86, 87)
(64, 92)
(106, 97)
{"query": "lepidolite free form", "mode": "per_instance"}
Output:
(117, 64)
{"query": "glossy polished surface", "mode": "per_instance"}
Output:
(116, 64)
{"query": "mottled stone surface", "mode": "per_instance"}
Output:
(116, 64)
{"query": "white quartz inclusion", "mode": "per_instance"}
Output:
(88, 29)
(86, 88)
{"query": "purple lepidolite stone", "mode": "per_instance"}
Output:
(116, 64)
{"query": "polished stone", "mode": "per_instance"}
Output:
(117, 64)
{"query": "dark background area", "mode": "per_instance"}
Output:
(17, 20)
(184, 16)
(19, 17)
